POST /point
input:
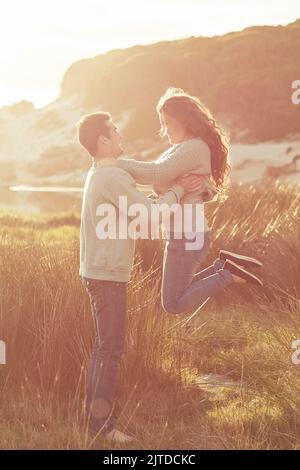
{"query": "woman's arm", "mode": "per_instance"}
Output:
(191, 155)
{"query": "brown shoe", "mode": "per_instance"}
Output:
(241, 272)
(242, 260)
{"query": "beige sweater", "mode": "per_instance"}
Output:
(190, 156)
(111, 259)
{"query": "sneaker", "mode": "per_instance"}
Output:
(240, 272)
(245, 261)
(119, 437)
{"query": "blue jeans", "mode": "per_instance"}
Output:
(182, 287)
(109, 308)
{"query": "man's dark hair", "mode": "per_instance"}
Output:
(90, 127)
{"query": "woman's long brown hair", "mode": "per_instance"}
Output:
(197, 120)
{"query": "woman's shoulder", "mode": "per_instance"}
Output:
(195, 145)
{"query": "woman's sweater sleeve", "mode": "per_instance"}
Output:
(190, 155)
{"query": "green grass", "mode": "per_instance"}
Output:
(244, 335)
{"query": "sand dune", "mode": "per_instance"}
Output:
(28, 134)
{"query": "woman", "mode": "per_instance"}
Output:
(198, 146)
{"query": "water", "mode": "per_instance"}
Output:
(37, 199)
(34, 199)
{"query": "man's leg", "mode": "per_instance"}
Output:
(109, 305)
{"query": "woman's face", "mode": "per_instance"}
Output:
(174, 130)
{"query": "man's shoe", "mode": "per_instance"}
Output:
(242, 260)
(240, 272)
(119, 437)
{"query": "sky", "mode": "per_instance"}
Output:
(39, 40)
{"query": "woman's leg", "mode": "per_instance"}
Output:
(182, 288)
(217, 264)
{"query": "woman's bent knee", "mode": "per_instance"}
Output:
(171, 307)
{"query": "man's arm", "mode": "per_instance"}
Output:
(191, 155)
(124, 185)
(137, 204)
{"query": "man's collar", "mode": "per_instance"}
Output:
(104, 162)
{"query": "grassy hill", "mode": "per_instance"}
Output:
(244, 77)
(220, 379)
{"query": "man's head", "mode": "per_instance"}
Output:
(99, 135)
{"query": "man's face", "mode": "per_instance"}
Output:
(114, 142)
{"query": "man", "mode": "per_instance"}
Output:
(106, 262)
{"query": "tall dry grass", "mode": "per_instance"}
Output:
(243, 337)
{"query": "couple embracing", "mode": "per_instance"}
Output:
(186, 176)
